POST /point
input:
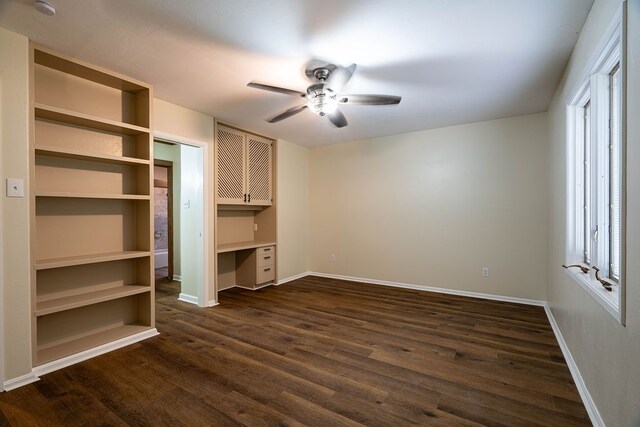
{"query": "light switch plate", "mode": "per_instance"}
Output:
(15, 187)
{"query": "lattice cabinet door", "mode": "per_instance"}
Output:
(259, 171)
(231, 166)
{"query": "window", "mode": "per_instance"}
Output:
(596, 147)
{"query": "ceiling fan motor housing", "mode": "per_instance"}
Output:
(321, 74)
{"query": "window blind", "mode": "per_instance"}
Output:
(586, 235)
(615, 174)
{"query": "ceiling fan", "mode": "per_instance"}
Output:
(324, 95)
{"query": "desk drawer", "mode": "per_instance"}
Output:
(266, 260)
(265, 274)
(267, 250)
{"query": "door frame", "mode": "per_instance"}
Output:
(2, 196)
(169, 165)
(204, 299)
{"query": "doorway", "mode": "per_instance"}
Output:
(179, 220)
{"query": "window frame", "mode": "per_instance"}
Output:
(589, 145)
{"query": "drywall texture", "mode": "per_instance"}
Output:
(173, 120)
(14, 137)
(293, 209)
(434, 207)
(605, 352)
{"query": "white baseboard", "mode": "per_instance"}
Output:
(589, 404)
(212, 303)
(20, 381)
(93, 352)
(432, 289)
(292, 278)
(177, 278)
(188, 298)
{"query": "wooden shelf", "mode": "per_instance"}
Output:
(46, 264)
(54, 305)
(85, 71)
(50, 352)
(92, 195)
(57, 114)
(92, 157)
(238, 246)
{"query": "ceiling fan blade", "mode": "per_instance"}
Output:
(369, 99)
(276, 89)
(339, 77)
(290, 112)
(338, 119)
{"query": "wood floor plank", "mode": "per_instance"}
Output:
(318, 352)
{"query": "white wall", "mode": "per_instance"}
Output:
(432, 208)
(191, 219)
(292, 195)
(606, 353)
(14, 155)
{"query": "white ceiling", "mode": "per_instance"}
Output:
(452, 62)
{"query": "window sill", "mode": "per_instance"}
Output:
(609, 300)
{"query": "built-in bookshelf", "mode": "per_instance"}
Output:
(92, 211)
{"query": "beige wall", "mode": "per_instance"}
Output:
(605, 352)
(293, 209)
(432, 208)
(14, 125)
(178, 121)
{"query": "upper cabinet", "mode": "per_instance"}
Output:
(244, 168)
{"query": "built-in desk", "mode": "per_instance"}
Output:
(252, 264)
(238, 246)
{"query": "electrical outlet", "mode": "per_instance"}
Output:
(333, 258)
(485, 271)
(255, 227)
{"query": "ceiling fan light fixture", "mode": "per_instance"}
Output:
(322, 103)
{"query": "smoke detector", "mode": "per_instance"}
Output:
(44, 7)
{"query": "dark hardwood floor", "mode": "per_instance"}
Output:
(318, 352)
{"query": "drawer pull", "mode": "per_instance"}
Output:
(267, 269)
(267, 257)
(266, 249)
